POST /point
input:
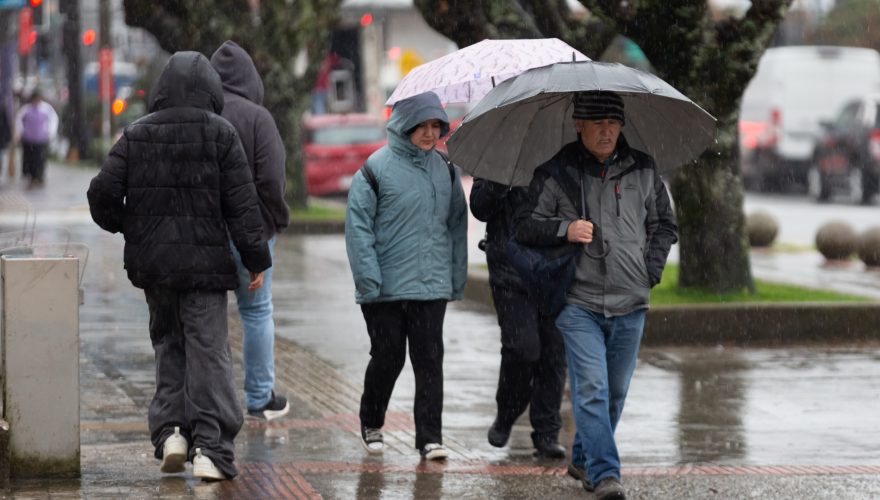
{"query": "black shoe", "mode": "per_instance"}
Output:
(276, 407)
(549, 448)
(498, 434)
(610, 489)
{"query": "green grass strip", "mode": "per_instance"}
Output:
(668, 293)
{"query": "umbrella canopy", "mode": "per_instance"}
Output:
(526, 120)
(467, 74)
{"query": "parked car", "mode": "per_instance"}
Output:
(335, 148)
(847, 158)
(795, 88)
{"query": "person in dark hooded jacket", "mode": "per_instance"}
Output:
(177, 185)
(532, 354)
(243, 95)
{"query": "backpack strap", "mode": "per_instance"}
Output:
(449, 165)
(367, 172)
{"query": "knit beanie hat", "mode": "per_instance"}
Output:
(598, 105)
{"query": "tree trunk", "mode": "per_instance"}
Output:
(713, 246)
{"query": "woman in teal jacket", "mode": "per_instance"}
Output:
(406, 238)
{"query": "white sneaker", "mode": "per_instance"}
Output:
(434, 451)
(204, 468)
(174, 452)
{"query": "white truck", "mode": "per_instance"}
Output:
(794, 89)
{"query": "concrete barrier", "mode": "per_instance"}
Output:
(762, 324)
(40, 365)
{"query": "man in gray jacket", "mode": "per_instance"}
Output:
(628, 231)
(243, 96)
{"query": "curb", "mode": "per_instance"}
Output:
(771, 324)
(298, 226)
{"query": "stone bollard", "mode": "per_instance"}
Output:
(761, 228)
(836, 240)
(869, 247)
(40, 365)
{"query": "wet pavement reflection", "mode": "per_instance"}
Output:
(709, 405)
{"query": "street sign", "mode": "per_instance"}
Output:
(11, 4)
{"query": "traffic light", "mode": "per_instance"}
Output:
(37, 6)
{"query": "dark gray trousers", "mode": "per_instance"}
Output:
(195, 389)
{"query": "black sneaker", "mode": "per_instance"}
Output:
(276, 407)
(372, 439)
(434, 451)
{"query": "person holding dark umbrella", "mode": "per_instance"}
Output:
(630, 226)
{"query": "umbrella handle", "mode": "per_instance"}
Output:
(601, 255)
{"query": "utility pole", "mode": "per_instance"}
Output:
(75, 122)
(105, 75)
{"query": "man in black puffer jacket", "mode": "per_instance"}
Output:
(177, 185)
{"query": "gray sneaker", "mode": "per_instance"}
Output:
(610, 489)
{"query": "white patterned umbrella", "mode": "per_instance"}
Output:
(526, 120)
(468, 74)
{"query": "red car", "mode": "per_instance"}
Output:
(335, 148)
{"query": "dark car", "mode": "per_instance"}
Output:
(335, 148)
(847, 155)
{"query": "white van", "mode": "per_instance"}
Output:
(794, 89)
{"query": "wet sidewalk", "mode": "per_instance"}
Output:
(720, 423)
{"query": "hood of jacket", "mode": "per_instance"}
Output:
(408, 114)
(188, 80)
(237, 71)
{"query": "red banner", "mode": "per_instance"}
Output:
(105, 73)
(25, 27)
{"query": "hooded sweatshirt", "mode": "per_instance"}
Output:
(409, 241)
(243, 95)
(177, 185)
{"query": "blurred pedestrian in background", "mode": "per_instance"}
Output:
(406, 238)
(178, 186)
(630, 225)
(243, 95)
(36, 124)
(532, 354)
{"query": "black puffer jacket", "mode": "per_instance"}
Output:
(176, 181)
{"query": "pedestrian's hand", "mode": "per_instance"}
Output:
(256, 281)
(580, 231)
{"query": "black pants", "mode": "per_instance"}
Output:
(532, 364)
(33, 160)
(195, 389)
(390, 325)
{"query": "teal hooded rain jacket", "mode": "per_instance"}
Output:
(409, 241)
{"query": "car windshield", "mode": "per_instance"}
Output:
(347, 134)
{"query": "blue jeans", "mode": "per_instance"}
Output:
(601, 354)
(258, 324)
